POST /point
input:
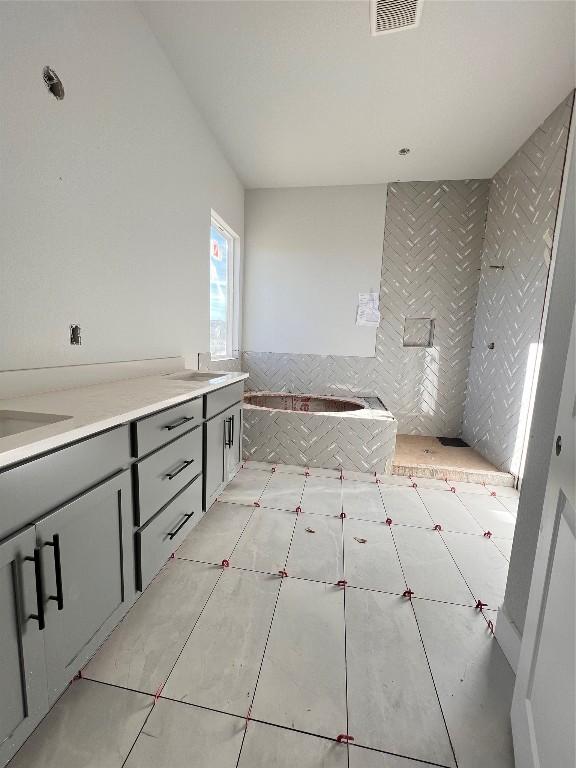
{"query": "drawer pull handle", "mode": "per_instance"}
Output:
(172, 475)
(59, 596)
(39, 615)
(182, 524)
(178, 423)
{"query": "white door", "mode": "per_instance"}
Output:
(544, 703)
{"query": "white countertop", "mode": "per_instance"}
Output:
(96, 408)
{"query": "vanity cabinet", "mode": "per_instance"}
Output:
(87, 564)
(223, 449)
(24, 699)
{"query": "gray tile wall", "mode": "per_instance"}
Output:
(431, 260)
(522, 210)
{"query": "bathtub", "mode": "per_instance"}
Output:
(317, 431)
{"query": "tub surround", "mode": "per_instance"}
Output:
(93, 409)
(363, 440)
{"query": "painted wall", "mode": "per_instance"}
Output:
(430, 268)
(542, 430)
(522, 211)
(309, 252)
(106, 195)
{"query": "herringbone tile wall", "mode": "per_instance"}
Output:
(431, 260)
(521, 214)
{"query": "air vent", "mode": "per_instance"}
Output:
(394, 15)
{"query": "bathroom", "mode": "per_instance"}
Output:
(286, 365)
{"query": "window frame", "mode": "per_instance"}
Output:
(233, 298)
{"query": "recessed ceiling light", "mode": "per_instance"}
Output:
(404, 151)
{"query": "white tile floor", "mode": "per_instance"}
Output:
(241, 667)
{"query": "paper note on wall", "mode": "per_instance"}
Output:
(368, 312)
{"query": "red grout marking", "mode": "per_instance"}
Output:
(256, 503)
(273, 470)
(158, 692)
(298, 510)
(225, 563)
(172, 556)
(343, 515)
(487, 534)
(388, 521)
(408, 593)
(283, 574)
(492, 493)
(344, 738)
(490, 626)
(78, 675)
(414, 485)
(480, 605)
(341, 583)
(452, 489)
(248, 718)
(437, 527)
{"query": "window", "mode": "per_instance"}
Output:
(224, 255)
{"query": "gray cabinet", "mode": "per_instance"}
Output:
(223, 451)
(88, 575)
(22, 671)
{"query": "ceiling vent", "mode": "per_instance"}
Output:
(394, 15)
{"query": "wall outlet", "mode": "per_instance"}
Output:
(75, 335)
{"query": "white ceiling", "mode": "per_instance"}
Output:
(300, 94)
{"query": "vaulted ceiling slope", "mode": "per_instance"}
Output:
(300, 93)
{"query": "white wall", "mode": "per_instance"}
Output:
(308, 254)
(106, 195)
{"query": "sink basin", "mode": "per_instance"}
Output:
(196, 376)
(13, 422)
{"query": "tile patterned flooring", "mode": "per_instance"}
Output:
(242, 667)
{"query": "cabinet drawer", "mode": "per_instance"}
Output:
(218, 401)
(164, 533)
(163, 474)
(156, 430)
(30, 490)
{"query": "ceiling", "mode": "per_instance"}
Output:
(300, 93)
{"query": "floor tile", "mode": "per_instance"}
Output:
(302, 682)
(392, 704)
(264, 465)
(216, 534)
(462, 487)
(268, 747)
(324, 472)
(474, 682)
(431, 483)
(428, 568)
(316, 550)
(405, 506)
(91, 725)
(179, 736)
(490, 514)
(322, 496)
(291, 469)
(360, 477)
(449, 511)
(504, 545)
(393, 480)
(264, 544)
(483, 566)
(368, 758)
(219, 665)
(370, 558)
(503, 491)
(510, 502)
(363, 501)
(246, 487)
(284, 491)
(140, 652)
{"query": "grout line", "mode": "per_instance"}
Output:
(269, 629)
(343, 521)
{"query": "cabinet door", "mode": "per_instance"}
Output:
(234, 441)
(22, 672)
(214, 455)
(88, 567)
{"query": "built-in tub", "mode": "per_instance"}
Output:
(318, 431)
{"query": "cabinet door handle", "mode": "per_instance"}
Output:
(172, 475)
(59, 596)
(178, 423)
(182, 524)
(231, 431)
(39, 615)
